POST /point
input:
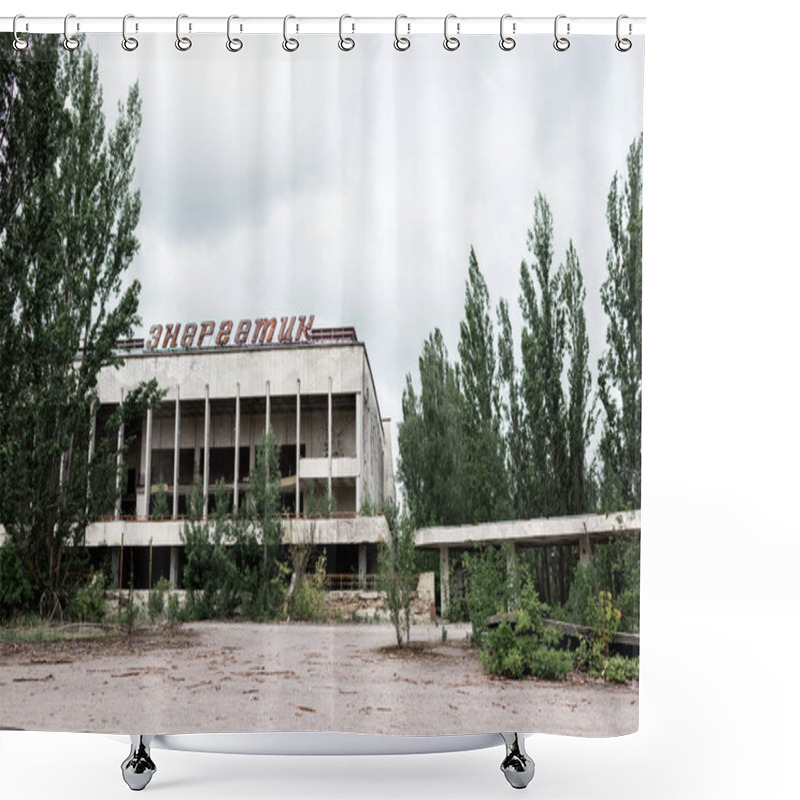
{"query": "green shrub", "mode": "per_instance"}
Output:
(308, 599)
(87, 603)
(17, 591)
(488, 587)
(174, 610)
(551, 665)
(619, 669)
(158, 595)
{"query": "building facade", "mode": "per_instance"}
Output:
(316, 392)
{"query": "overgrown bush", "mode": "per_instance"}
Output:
(158, 596)
(489, 589)
(308, 599)
(17, 592)
(523, 645)
(87, 603)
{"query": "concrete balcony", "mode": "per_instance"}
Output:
(318, 468)
(323, 531)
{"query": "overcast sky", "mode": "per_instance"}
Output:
(352, 185)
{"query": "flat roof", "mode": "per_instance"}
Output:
(545, 530)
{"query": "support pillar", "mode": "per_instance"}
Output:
(359, 447)
(148, 460)
(268, 420)
(362, 566)
(236, 431)
(444, 573)
(585, 547)
(115, 565)
(297, 456)
(120, 443)
(176, 471)
(330, 435)
(173, 566)
(206, 452)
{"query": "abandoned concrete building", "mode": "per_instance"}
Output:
(315, 390)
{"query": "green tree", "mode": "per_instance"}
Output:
(161, 509)
(485, 480)
(68, 215)
(580, 418)
(265, 540)
(430, 441)
(517, 443)
(542, 365)
(620, 367)
(397, 567)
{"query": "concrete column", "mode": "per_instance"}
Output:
(512, 558)
(120, 443)
(585, 550)
(330, 434)
(297, 456)
(359, 447)
(115, 565)
(268, 420)
(148, 461)
(173, 566)
(362, 565)
(236, 433)
(176, 471)
(206, 452)
(444, 573)
(93, 432)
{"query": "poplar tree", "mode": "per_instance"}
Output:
(620, 367)
(430, 442)
(485, 477)
(542, 366)
(517, 441)
(68, 214)
(580, 418)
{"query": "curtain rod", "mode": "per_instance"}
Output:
(462, 26)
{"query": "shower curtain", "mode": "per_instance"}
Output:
(321, 381)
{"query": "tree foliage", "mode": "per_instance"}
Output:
(431, 464)
(68, 215)
(620, 367)
(397, 564)
(486, 483)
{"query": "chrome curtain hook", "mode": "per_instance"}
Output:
(19, 43)
(346, 43)
(289, 45)
(129, 43)
(561, 43)
(506, 42)
(70, 42)
(401, 42)
(233, 45)
(451, 42)
(183, 43)
(623, 45)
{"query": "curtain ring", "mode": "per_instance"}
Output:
(19, 43)
(506, 42)
(346, 43)
(289, 45)
(451, 42)
(561, 43)
(233, 45)
(401, 42)
(70, 42)
(129, 43)
(183, 43)
(623, 45)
